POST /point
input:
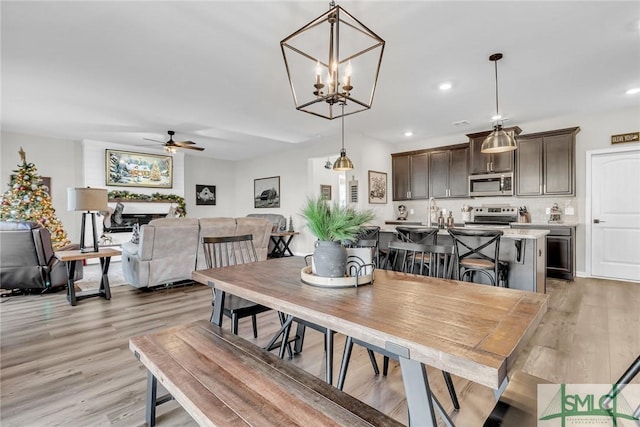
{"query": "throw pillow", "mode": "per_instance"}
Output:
(135, 237)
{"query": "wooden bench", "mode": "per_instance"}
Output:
(221, 379)
(517, 405)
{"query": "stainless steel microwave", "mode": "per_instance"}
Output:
(492, 184)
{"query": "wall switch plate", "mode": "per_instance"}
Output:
(410, 211)
(548, 211)
(569, 211)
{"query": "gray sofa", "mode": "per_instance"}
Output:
(169, 249)
(27, 258)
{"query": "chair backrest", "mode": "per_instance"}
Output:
(229, 250)
(478, 244)
(426, 236)
(406, 257)
(441, 261)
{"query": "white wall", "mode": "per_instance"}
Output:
(54, 158)
(207, 171)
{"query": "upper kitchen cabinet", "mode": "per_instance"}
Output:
(545, 163)
(410, 175)
(449, 173)
(481, 163)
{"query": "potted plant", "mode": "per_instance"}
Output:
(333, 225)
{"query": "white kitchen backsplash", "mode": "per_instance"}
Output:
(536, 206)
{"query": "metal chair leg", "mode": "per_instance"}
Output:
(452, 390)
(374, 363)
(348, 346)
(254, 323)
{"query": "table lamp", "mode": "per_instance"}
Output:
(88, 200)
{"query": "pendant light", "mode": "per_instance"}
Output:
(343, 163)
(498, 141)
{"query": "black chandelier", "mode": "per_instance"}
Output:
(326, 73)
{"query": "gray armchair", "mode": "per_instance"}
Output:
(27, 259)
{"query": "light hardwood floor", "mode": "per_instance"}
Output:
(63, 365)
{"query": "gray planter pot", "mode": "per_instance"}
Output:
(329, 259)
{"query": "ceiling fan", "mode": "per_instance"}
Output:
(171, 146)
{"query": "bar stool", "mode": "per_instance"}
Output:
(477, 251)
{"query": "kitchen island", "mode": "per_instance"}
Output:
(524, 249)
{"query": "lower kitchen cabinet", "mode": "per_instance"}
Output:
(561, 249)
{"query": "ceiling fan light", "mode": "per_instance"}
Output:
(498, 141)
(343, 163)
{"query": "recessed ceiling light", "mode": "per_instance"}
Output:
(445, 86)
(633, 91)
(408, 133)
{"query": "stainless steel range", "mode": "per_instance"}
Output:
(495, 216)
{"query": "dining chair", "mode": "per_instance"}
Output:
(427, 236)
(407, 257)
(227, 251)
(478, 251)
(441, 260)
(368, 235)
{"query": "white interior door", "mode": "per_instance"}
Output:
(615, 215)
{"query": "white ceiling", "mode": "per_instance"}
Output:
(213, 70)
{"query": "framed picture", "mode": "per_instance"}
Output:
(325, 192)
(128, 169)
(205, 195)
(377, 187)
(266, 192)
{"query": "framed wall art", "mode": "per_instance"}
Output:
(266, 192)
(205, 195)
(325, 192)
(129, 169)
(377, 187)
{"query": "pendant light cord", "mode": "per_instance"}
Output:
(496, 67)
(343, 126)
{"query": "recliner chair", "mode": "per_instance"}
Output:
(27, 259)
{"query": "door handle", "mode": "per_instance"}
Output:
(597, 221)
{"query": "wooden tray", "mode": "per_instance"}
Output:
(334, 282)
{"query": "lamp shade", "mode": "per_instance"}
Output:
(498, 141)
(343, 163)
(87, 199)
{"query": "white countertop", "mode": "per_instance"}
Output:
(571, 223)
(509, 233)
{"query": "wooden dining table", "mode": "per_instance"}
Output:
(469, 330)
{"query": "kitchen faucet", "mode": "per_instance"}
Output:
(431, 210)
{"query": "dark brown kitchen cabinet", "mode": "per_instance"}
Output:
(410, 175)
(561, 249)
(448, 173)
(545, 163)
(481, 163)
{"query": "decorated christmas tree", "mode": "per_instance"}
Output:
(28, 200)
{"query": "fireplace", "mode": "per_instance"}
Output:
(124, 223)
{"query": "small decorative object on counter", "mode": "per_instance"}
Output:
(402, 213)
(290, 225)
(440, 220)
(523, 214)
(466, 213)
(556, 214)
(450, 223)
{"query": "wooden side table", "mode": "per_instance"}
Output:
(70, 257)
(281, 241)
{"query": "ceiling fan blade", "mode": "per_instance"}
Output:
(154, 140)
(191, 147)
(184, 142)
